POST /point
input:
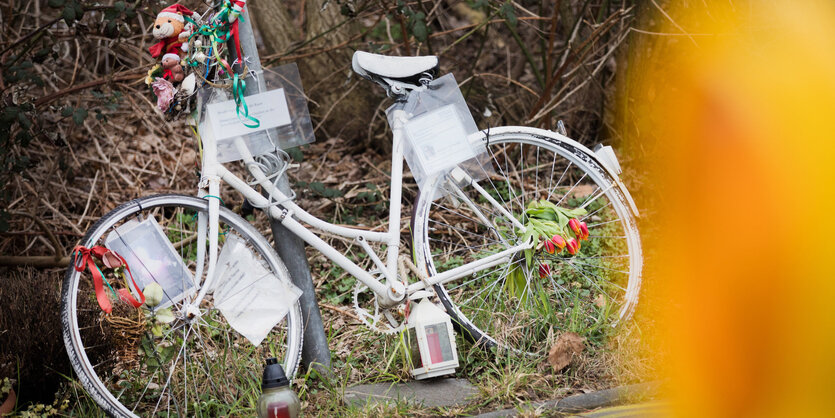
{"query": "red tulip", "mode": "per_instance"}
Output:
(585, 230)
(574, 224)
(573, 246)
(558, 242)
(544, 271)
(549, 246)
(111, 260)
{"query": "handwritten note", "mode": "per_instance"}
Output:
(251, 298)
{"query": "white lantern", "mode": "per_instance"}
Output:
(430, 341)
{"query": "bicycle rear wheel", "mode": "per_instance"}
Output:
(138, 362)
(512, 305)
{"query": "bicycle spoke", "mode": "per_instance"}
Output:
(601, 267)
(571, 189)
(586, 216)
(590, 226)
(459, 229)
(597, 196)
(550, 192)
(178, 362)
(510, 302)
(144, 390)
(501, 280)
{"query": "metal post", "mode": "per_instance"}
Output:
(315, 351)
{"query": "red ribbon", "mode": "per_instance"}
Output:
(84, 260)
(237, 39)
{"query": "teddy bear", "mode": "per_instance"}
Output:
(171, 68)
(172, 31)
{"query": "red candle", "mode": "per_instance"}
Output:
(434, 343)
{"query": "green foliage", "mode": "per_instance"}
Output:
(334, 290)
(507, 12)
(320, 189)
(296, 154)
(16, 124)
(415, 21)
(417, 25)
(373, 197)
(21, 73)
(482, 5)
(78, 116)
(115, 15)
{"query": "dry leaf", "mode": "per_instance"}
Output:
(567, 345)
(466, 12)
(583, 190)
(600, 301)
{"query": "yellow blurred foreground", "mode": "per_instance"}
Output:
(739, 121)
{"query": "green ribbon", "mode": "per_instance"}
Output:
(107, 282)
(221, 32)
(238, 88)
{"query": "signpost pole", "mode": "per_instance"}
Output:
(315, 351)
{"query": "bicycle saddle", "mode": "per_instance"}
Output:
(376, 67)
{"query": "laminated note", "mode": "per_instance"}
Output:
(439, 140)
(152, 259)
(270, 108)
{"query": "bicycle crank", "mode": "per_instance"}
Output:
(382, 320)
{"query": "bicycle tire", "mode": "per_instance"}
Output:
(567, 299)
(119, 365)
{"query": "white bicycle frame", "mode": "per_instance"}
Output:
(390, 292)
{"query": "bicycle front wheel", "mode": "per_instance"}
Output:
(524, 303)
(144, 362)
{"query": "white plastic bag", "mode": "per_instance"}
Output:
(250, 297)
(437, 134)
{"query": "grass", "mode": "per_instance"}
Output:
(504, 379)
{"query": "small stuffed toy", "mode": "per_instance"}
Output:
(237, 7)
(171, 68)
(172, 31)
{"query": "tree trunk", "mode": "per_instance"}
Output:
(274, 25)
(324, 74)
(348, 116)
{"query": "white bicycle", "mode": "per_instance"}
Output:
(465, 246)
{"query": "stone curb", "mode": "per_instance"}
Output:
(433, 393)
(588, 401)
